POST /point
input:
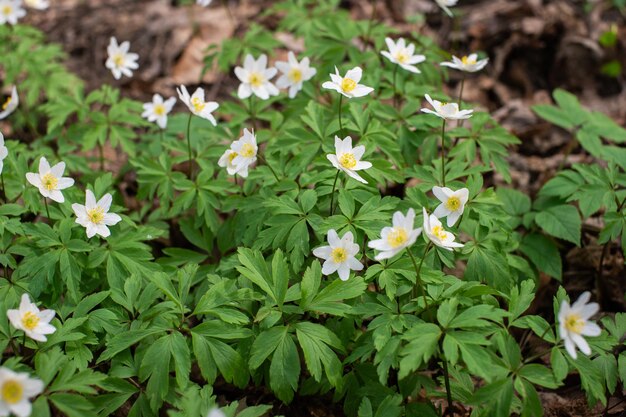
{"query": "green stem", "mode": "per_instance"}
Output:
(269, 166)
(101, 153)
(371, 22)
(443, 153)
(332, 194)
(446, 378)
(45, 202)
(461, 91)
(418, 269)
(189, 146)
(340, 121)
(162, 135)
(395, 95)
(4, 193)
(252, 112)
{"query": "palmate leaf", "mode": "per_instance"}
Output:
(562, 221)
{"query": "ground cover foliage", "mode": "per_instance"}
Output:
(247, 303)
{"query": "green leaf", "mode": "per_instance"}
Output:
(543, 253)
(561, 221)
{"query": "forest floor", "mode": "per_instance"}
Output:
(534, 47)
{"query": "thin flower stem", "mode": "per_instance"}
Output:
(269, 166)
(371, 22)
(461, 92)
(4, 192)
(446, 378)
(395, 95)
(45, 202)
(189, 146)
(443, 153)
(251, 111)
(101, 153)
(418, 269)
(162, 135)
(340, 121)
(332, 194)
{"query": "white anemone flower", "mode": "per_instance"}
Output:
(255, 78)
(437, 234)
(94, 216)
(197, 105)
(4, 152)
(447, 111)
(28, 318)
(120, 61)
(402, 54)
(11, 11)
(10, 104)
(50, 180)
(349, 85)
(37, 4)
(157, 110)
(203, 3)
(399, 236)
(348, 159)
(339, 255)
(294, 73)
(242, 154)
(446, 4)
(452, 203)
(574, 323)
(466, 63)
(15, 391)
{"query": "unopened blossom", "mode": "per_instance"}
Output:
(157, 110)
(447, 111)
(348, 159)
(28, 318)
(197, 105)
(255, 78)
(94, 216)
(452, 203)
(446, 4)
(339, 255)
(402, 54)
(120, 61)
(4, 152)
(399, 236)
(574, 323)
(349, 85)
(16, 390)
(50, 180)
(294, 73)
(437, 234)
(10, 103)
(203, 3)
(469, 63)
(11, 11)
(242, 154)
(37, 4)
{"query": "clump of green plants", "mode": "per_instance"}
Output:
(326, 232)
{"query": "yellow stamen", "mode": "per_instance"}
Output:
(397, 237)
(49, 182)
(6, 103)
(402, 57)
(466, 61)
(339, 255)
(440, 233)
(159, 110)
(255, 79)
(12, 392)
(7, 10)
(347, 160)
(247, 150)
(198, 105)
(118, 60)
(96, 215)
(30, 320)
(232, 156)
(574, 323)
(453, 203)
(348, 84)
(295, 75)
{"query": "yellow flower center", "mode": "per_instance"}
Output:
(574, 323)
(466, 61)
(255, 79)
(347, 160)
(49, 182)
(198, 105)
(397, 237)
(30, 320)
(12, 392)
(96, 215)
(402, 57)
(453, 203)
(295, 75)
(118, 60)
(339, 255)
(348, 84)
(439, 232)
(159, 110)
(7, 10)
(247, 150)
(232, 156)
(6, 103)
